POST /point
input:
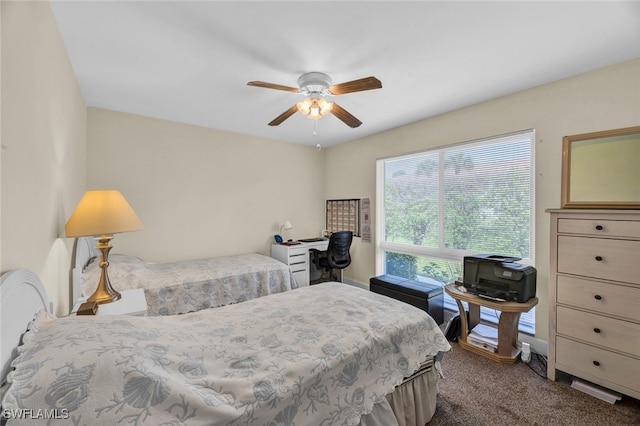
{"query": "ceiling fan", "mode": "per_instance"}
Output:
(317, 85)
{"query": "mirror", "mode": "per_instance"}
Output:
(602, 169)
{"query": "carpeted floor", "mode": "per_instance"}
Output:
(478, 391)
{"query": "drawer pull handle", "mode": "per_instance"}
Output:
(596, 330)
(599, 258)
(596, 363)
(599, 227)
(598, 297)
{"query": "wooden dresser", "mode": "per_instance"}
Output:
(594, 297)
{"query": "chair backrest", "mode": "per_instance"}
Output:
(338, 250)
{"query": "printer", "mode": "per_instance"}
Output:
(499, 278)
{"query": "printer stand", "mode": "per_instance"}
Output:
(508, 351)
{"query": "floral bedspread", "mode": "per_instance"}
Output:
(180, 287)
(319, 355)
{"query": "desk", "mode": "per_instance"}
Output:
(508, 351)
(297, 258)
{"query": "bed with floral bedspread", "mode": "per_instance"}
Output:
(191, 285)
(319, 355)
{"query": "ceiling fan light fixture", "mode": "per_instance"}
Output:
(314, 114)
(314, 83)
(325, 107)
(314, 108)
(317, 85)
(304, 107)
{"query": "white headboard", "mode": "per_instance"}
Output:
(22, 295)
(84, 250)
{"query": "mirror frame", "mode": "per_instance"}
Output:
(567, 143)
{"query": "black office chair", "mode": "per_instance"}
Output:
(336, 257)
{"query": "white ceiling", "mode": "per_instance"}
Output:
(190, 61)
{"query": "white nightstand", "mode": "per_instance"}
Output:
(132, 302)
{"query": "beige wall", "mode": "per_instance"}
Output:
(202, 192)
(600, 100)
(43, 146)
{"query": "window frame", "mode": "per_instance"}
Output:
(527, 323)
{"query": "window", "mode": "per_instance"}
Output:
(437, 206)
(344, 215)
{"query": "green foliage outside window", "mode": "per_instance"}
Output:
(486, 208)
(402, 265)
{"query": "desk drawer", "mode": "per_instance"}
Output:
(597, 365)
(603, 228)
(604, 331)
(298, 258)
(301, 277)
(297, 251)
(617, 260)
(610, 299)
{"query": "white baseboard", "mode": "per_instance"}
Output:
(355, 283)
(537, 345)
(448, 314)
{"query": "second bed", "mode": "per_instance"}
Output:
(181, 287)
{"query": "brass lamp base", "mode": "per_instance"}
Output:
(104, 292)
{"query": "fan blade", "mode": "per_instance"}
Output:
(273, 86)
(345, 116)
(367, 83)
(288, 113)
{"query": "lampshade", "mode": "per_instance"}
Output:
(102, 212)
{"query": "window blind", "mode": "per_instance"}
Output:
(437, 206)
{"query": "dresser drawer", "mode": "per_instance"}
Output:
(611, 299)
(593, 363)
(616, 260)
(605, 228)
(604, 331)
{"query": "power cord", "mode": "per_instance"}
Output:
(538, 364)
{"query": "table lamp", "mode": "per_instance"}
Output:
(100, 214)
(286, 226)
